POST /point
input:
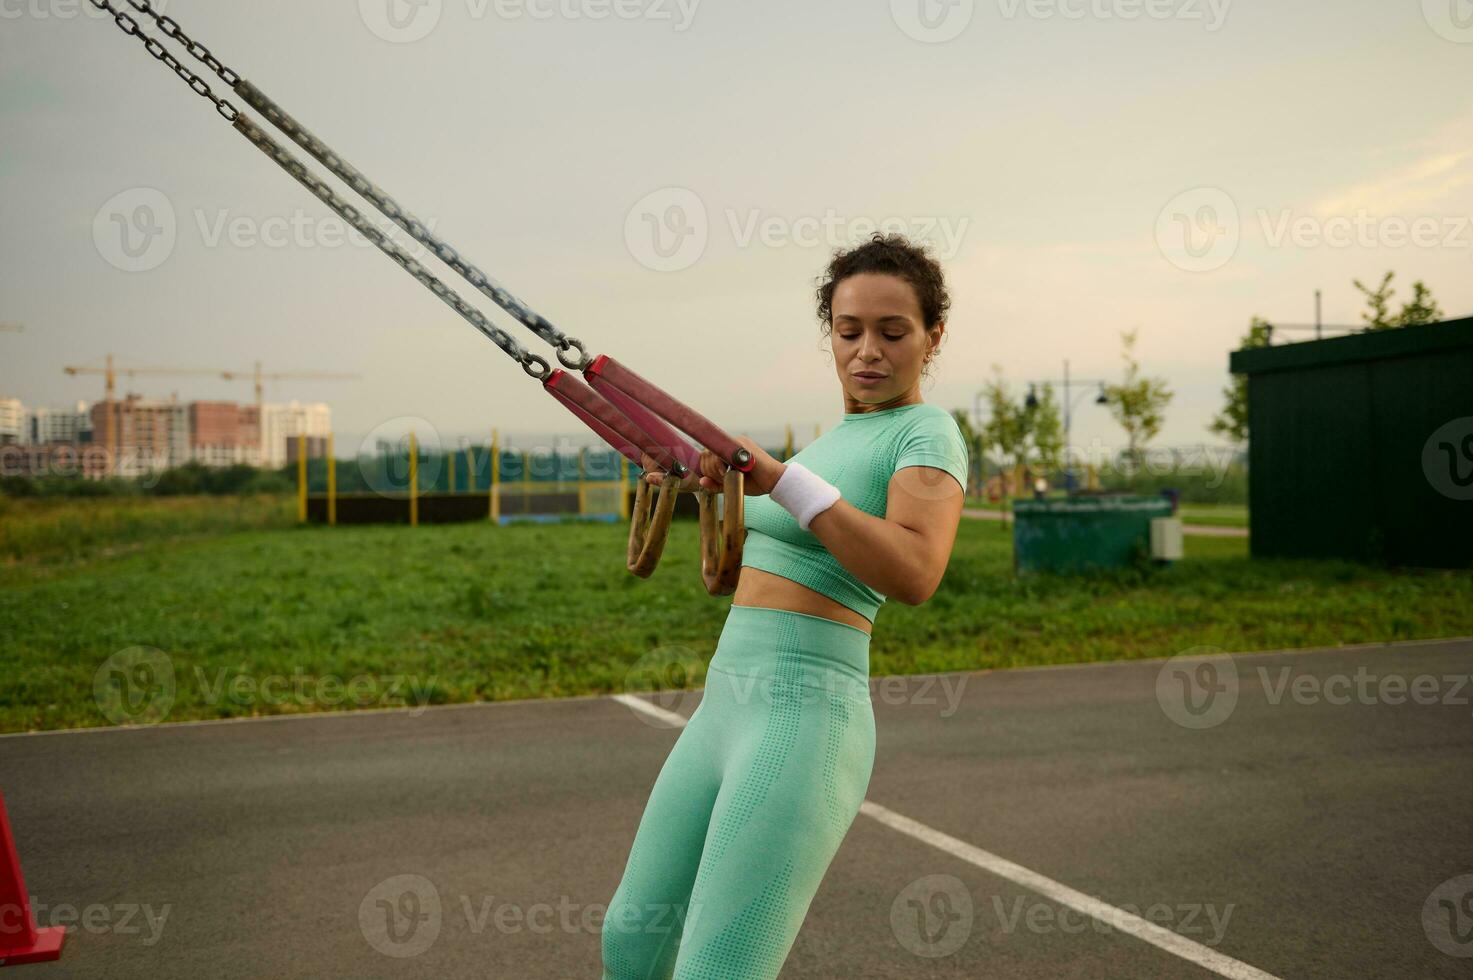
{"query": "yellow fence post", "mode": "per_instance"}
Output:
(332, 484)
(623, 487)
(582, 488)
(470, 471)
(450, 461)
(301, 478)
(413, 481)
(493, 510)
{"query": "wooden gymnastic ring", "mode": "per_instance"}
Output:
(651, 524)
(721, 550)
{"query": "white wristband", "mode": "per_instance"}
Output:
(803, 493)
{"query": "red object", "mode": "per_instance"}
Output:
(20, 940)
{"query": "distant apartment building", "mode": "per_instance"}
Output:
(223, 434)
(148, 435)
(12, 422)
(145, 434)
(48, 426)
(284, 422)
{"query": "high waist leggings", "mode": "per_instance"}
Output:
(750, 806)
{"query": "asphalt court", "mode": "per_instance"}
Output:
(1115, 820)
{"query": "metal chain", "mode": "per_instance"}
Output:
(130, 26)
(350, 175)
(533, 365)
(171, 28)
(416, 229)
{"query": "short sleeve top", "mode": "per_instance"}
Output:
(859, 456)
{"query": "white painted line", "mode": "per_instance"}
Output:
(1133, 925)
(654, 711)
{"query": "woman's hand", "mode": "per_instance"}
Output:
(760, 479)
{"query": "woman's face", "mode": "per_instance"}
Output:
(879, 340)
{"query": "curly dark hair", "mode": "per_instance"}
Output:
(895, 255)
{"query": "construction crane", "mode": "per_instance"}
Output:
(110, 374)
(260, 380)
(12, 328)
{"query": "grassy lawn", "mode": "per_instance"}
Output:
(474, 612)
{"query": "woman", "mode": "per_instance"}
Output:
(768, 774)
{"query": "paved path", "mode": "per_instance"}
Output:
(1300, 835)
(1205, 530)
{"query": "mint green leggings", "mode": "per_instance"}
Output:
(750, 806)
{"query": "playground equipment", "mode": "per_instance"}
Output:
(642, 422)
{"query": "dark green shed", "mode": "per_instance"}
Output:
(1361, 446)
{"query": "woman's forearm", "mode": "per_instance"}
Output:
(885, 556)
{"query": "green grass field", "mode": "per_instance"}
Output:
(472, 612)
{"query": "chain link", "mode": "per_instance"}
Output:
(155, 48)
(416, 229)
(531, 363)
(535, 366)
(171, 28)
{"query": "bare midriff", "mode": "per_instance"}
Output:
(758, 588)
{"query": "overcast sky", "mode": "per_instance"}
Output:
(665, 178)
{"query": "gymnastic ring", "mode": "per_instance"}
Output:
(721, 550)
(651, 524)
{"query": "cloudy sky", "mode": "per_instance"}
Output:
(665, 178)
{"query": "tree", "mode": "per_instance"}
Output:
(1006, 430)
(1420, 310)
(1232, 421)
(1137, 403)
(1044, 430)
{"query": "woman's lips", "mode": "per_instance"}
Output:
(870, 378)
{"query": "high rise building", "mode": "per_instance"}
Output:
(145, 434)
(45, 426)
(282, 422)
(12, 422)
(223, 433)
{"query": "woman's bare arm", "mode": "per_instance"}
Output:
(903, 554)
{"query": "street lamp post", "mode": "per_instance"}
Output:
(1032, 402)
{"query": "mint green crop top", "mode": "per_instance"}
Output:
(859, 456)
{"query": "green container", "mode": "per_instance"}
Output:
(1083, 533)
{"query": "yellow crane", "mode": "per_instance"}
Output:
(110, 374)
(260, 378)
